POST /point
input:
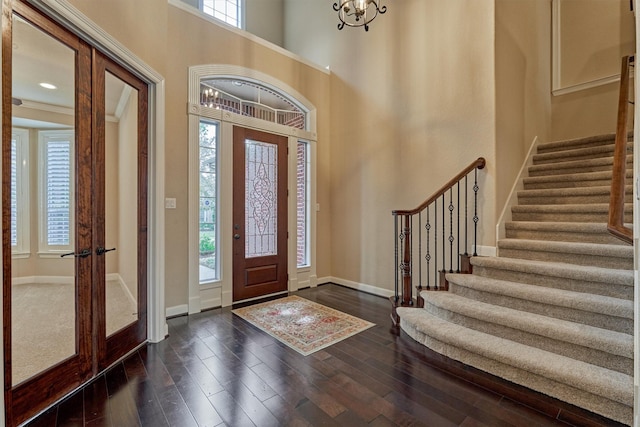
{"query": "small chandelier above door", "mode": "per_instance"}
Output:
(358, 13)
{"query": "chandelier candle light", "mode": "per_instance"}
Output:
(358, 13)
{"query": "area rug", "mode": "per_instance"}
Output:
(303, 325)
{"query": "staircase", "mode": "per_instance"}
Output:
(554, 310)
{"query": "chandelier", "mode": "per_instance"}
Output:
(358, 13)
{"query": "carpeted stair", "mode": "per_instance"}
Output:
(554, 310)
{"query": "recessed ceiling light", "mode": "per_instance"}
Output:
(48, 85)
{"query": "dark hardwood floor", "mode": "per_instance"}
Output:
(216, 369)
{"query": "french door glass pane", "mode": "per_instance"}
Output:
(208, 238)
(261, 195)
(121, 204)
(43, 287)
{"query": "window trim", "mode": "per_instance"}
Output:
(307, 203)
(44, 137)
(23, 234)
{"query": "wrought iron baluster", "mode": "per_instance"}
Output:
(451, 238)
(435, 245)
(444, 244)
(475, 213)
(458, 233)
(419, 253)
(428, 255)
(466, 214)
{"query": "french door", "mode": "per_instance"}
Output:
(74, 211)
(259, 213)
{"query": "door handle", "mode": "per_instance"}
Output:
(102, 250)
(82, 254)
(236, 236)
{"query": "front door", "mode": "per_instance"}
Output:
(259, 213)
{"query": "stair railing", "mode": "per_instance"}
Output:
(616, 224)
(442, 218)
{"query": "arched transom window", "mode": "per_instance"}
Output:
(251, 99)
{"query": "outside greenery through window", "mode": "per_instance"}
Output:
(208, 202)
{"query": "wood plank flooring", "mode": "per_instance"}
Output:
(216, 369)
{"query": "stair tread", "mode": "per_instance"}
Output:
(563, 144)
(576, 163)
(601, 249)
(612, 342)
(570, 207)
(557, 297)
(578, 152)
(575, 227)
(561, 270)
(580, 375)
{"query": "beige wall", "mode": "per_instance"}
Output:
(412, 103)
(127, 233)
(265, 19)
(523, 81)
(593, 36)
(194, 41)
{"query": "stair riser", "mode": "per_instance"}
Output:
(553, 147)
(601, 238)
(567, 184)
(578, 259)
(569, 199)
(597, 357)
(560, 169)
(568, 284)
(566, 216)
(598, 404)
(587, 153)
(573, 315)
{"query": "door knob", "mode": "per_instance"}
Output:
(102, 250)
(82, 254)
(236, 236)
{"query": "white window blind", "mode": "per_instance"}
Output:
(56, 150)
(19, 192)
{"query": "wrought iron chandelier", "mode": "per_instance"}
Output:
(358, 13)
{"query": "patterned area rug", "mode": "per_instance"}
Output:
(303, 325)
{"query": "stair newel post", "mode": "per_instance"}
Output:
(407, 291)
(396, 259)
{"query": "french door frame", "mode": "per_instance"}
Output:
(69, 17)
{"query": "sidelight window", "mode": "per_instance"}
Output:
(208, 217)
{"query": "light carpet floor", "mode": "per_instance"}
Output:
(43, 327)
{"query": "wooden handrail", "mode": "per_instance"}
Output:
(615, 224)
(479, 163)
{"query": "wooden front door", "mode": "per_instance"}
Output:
(259, 213)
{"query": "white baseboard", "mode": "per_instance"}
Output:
(177, 310)
(370, 289)
(125, 288)
(40, 280)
